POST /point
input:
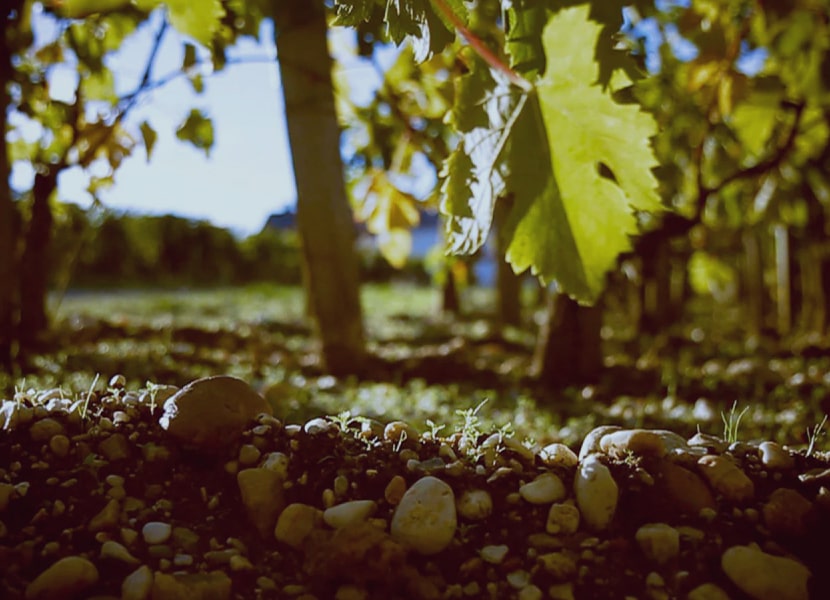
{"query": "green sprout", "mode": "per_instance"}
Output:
(814, 434)
(732, 422)
(83, 409)
(434, 430)
(152, 390)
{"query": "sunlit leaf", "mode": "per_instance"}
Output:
(198, 130)
(99, 86)
(189, 56)
(199, 20)
(79, 9)
(149, 136)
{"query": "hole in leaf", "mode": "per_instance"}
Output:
(606, 172)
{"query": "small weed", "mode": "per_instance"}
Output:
(471, 426)
(342, 419)
(399, 443)
(434, 430)
(152, 390)
(83, 409)
(732, 422)
(813, 435)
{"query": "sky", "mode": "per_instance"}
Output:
(248, 174)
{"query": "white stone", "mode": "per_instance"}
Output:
(156, 532)
(277, 462)
(558, 455)
(425, 519)
(659, 542)
(66, 578)
(493, 554)
(763, 576)
(348, 513)
(546, 488)
(475, 504)
(138, 584)
(562, 519)
(596, 493)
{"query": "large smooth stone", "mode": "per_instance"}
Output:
(425, 520)
(263, 496)
(210, 414)
(596, 493)
(763, 576)
(67, 578)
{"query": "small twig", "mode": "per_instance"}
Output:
(481, 48)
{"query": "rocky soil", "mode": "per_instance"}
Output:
(201, 493)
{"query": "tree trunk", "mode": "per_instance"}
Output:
(450, 303)
(508, 284)
(8, 235)
(323, 214)
(569, 346)
(783, 292)
(34, 263)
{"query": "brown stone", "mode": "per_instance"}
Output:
(685, 492)
(787, 513)
(210, 414)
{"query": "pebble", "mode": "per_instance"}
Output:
(277, 462)
(558, 455)
(116, 551)
(546, 488)
(475, 504)
(562, 519)
(399, 432)
(249, 455)
(493, 554)
(6, 491)
(659, 542)
(726, 478)
(775, 457)
(138, 584)
(348, 513)
(530, 592)
(193, 586)
(156, 532)
(107, 518)
(114, 447)
(59, 445)
(393, 492)
(707, 591)
(559, 565)
(596, 492)
(425, 519)
(211, 414)
(44, 429)
(263, 496)
(319, 425)
(66, 578)
(296, 522)
(763, 576)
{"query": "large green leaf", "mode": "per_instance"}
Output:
(199, 20)
(579, 165)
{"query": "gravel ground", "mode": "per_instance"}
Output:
(201, 493)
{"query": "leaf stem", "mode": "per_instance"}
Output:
(481, 48)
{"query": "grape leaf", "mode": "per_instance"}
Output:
(150, 136)
(198, 130)
(79, 9)
(579, 165)
(390, 214)
(351, 13)
(199, 20)
(99, 86)
(427, 28)
(473, 175)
